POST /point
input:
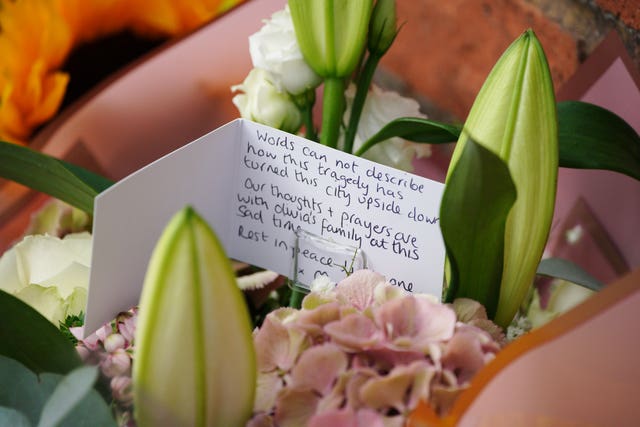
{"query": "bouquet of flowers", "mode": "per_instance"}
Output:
(201, 349)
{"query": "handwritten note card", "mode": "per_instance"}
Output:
(256, 186)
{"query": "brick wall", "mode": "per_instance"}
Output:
(447, 47)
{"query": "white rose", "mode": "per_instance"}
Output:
(48, 273)
(275, 49)
(379, 109)
(263, 103)
(564, 296)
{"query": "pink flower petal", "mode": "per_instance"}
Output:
(318, 368)
(267, 388)
(384, 359)
(347, 418)
(277, 346)
(355, 378)
(338, 418)
(412, 323)
(295, 407)
(402, 386)
(463, 355)
(261, 420)
(354, 332)
(313, 321)
(467, 310)
(358, 289)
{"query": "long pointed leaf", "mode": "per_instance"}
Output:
(67, 395)
(29, 338)
(62, 180)
(413, 129)
(564, 269)
(591, 137)
(475, 204)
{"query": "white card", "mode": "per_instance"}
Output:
(256, 186)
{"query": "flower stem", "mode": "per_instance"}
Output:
(309, 129)
(296, 298)
(358, 102)
(332, 109)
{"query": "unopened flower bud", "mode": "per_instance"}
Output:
(114, 342)
(263, 103)
(117, 363)
(122, 390)
(514, 116)
(382, 28)
(333, 38)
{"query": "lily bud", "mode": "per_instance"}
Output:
(382, 28)
(195, 362)
(331, 33)
(514, 116)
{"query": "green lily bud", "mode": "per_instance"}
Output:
(382, 28)
(195, 362)
(331, 33)
(514, 116)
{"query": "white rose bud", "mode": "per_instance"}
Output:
(275, 49)
(263, 103)
(48, 273)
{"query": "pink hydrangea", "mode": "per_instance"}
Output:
(364, 354)
(111, 348)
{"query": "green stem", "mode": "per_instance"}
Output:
(296, 298)
(332, 109)
(309, 129)
(358, 102)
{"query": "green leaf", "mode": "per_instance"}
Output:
(477, 199)
(13, 418)
(413, 129)
(44, 173)
(69, 392)
(51, 398)
(567, 270)
(592, 137)
(91, 410)
(29, 338)
(25, 394)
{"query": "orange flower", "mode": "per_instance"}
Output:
(91, 20)
(36, 36)
(173, 17)
(33, 43)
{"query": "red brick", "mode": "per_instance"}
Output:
(446, 49)
(627, 10)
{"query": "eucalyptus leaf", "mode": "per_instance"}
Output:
(62, 180)
(69, 392)
(413, 129)
(20, 390)
(477, 199)
(11, 417)
(567, 270)
(29, 338)
(92, 410)
(52, 399)
(591, 137)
